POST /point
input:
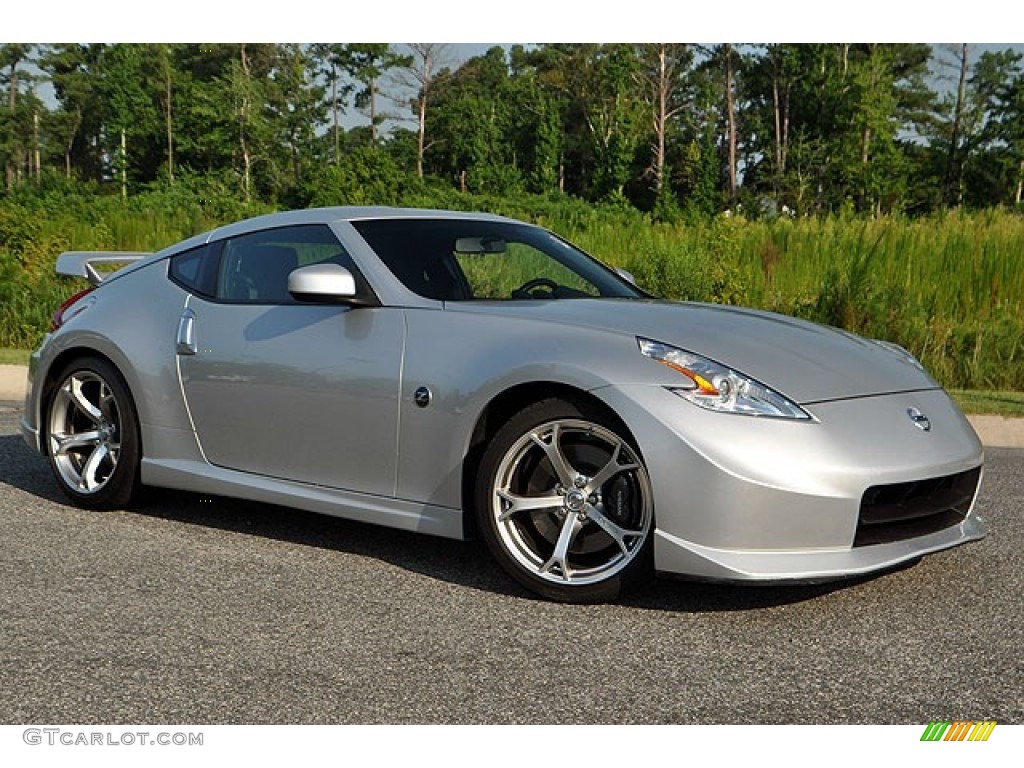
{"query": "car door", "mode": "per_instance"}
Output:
(290, 390)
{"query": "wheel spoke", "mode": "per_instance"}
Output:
(518, 504)
(108, 405)
(89, 481)
(553, 450)
(73, 391)
(66, 442)
(609, 470)
(617, 532)
(560, 557)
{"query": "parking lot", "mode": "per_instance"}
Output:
(189, 609)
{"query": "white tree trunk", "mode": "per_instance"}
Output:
(730, 101)
(124, 164)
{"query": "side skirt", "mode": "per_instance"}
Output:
(199, 477)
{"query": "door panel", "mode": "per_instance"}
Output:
(300, 392)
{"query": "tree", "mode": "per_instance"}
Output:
(602, 80)
(885, 90)
(127, 109)
(547, 135)
(293, 104)
(225, 121)
(730, 112)
(954, 182)
(546, 172)
(12, 56)
(721, 64)
(772, 85)
(166, 77)
(427, 60)
(477, 119)
(367, 64)
(662, 77)
(996, 87)
(334, 59)
(247, 94)
(72, 68)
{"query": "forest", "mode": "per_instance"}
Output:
(875, 187)
(814, 128)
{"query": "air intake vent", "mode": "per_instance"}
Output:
(908, 510)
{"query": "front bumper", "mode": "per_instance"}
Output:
(31, 418)
(30, 435)
(741, 498)
(673, 555)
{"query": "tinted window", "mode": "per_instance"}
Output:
(463, 260)
(194, 270)
(254, 268)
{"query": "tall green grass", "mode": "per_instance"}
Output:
(949, 287)
(33, 235)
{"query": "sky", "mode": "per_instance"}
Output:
(466, 22)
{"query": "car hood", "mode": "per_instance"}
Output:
(805, 361)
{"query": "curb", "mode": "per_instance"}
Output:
(994, 431)
(13, 382)
(998, 431)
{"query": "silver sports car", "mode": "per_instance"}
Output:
(471, 375)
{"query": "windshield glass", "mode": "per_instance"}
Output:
(467, 260)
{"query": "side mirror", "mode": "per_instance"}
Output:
(324, 283)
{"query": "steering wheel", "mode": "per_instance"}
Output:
(525, 291)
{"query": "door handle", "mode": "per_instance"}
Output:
(187, 333)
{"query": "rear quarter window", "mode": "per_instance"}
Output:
(194, 270)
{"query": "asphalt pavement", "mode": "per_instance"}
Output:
(192, 609)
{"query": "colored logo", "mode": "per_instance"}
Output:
(960, 730)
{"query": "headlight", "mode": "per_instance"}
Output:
(718, 388)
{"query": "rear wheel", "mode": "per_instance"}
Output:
(565, 503)
(92, 435)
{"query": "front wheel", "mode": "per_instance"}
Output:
(565, 503)
(92, 435)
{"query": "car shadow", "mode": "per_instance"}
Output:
(463, 563)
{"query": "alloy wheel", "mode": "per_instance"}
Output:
(84, 432)
(572, 502)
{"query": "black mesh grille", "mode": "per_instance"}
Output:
(907, 510)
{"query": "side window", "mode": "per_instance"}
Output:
(194, 270)
(254, 268)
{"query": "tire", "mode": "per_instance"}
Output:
(565, 505)
(92, 435)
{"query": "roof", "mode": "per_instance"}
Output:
(342, 213)
(308, 216)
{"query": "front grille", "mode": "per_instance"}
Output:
(907, 510)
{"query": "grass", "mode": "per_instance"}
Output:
(949, 287)
(13, 356)
(1009, 404)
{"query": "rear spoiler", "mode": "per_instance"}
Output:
(80, 263)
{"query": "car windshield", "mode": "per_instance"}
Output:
(476, 260)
